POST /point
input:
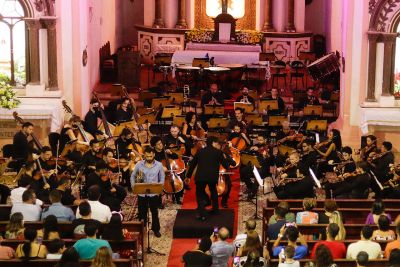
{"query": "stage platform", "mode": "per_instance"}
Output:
(187, 226)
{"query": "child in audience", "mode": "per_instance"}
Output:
(50, 229)
(6, 253)
(383, 233)
(31, 249)
(362, 259)
(56, 248)
(103, 258)
(286, 258)
(15, 228)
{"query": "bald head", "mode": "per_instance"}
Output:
(223, 233)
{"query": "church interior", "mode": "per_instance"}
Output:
(298, 100)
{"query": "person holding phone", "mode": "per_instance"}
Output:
(221, 250)
(292, 234)
(199, 256)
(286, 258)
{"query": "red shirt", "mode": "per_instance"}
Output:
(338, 249)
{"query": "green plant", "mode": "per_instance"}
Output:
(8, 98)
(5, 78)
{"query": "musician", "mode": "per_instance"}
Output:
(208, 161)
(380, 165)
(276, 158)
(237, 131)
(213, 96)
(149, 170)
(245, 97)
(191, 124)
(238, 119)
(309, 99)
(70, 133)
(125, 110)
(281, 104)
(64, 187)
(90, 123)
(109, 160)
(309, 155)
(294, 181)
(21, 149)
(391, 189)
(124, 139)
(289, 137)
(176, 141)
(92, 156)
(369, 148)
(328, 150)
(344, 170)
(111, 194)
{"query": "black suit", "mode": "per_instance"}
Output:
(207, 161)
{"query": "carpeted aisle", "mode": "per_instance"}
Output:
(180, 246)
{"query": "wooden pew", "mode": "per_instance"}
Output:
(341, 262)
(342, 203)
(350, 215)
(51, 263)
(6, 209)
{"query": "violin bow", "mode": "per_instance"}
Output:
(58, 147)
(119, 167)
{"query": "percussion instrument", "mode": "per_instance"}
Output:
(216, 75)
(324, 66)
(234, 76)
(187, 75)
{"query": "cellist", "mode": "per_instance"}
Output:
(237, 119)
(193, 132)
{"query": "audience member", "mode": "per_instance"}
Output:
(57, 209)
(273, 229)
(394, 258)
(220, 249)
(307, 216)
(365, 244)
(100, 212)
(254, 259)
(88, 246)
(252, 242)
(292, 234)
(55, 249)
(6, 252)
(103, 258)
(15, 227)
(338, 249)
(200, 256)
(287, 260)
(69, 258)
(31, 249)
(85, 216)
(113, 230)
(394, 244)
(362, 259)
(336, 217)
(29, 209)
(50, 229)
(289, 216)
(323, 257)
(383, 233)
(377, 210)
(329, 207)
(250, 225)
(23, 184)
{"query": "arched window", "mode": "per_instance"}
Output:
(234, 7)
(12, 42)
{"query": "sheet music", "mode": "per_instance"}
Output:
(316, 181)
(376, 180)
(316, 137)
(258, 176)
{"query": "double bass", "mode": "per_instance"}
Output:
(173, 183)
(34, 138)
(108, 128)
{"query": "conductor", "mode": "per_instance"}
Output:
(208, 160)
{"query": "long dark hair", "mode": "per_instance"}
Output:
(113, 231)
(50, 224)
(323, 257)
(69, 257)
(30, 236)
(16, 222)
(337, 139)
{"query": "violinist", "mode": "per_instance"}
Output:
(91, 118)
(369, 148)
(64, 187)
(309, 155)
(238, 119)
(281, 104)
(288, 137)
(245, 97)
(309, 99)
(109, 160)
(125, 110)
(123, 141)
(90, 158)
(176, 141)
(328, 150)
(21, 149)
(391, 189)
(126, 166)
(294, 181)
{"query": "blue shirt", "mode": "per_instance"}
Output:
(299, 251)
(153, 174)
(60, 211)
(88, 247)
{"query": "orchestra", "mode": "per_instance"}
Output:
(89, 153)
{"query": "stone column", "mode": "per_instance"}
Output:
(290, 20)
(158, 20)
(268, 24)
(373, 39)
(389, 40)
(181, 24)
(49, 23)
(33, 73)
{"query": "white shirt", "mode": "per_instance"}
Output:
(30, 212)
(53, 256)
(373, 249)
(16, 196)
(100, 212)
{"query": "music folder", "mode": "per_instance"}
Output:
(170, 112)
(147, 188)
(214, 110)
(267, 104)
(313, 110)
(317, 125)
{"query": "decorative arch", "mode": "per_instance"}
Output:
(28, 8)
(383, 13)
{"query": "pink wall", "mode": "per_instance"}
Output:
(315, 15)
(128, 15)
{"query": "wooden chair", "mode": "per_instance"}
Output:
(108, 66)
(280, 73)
(297, 72)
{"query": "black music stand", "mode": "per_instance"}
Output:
(218, 123)
(317, 125)
(267, 105)
(214, 109)
(148, 188)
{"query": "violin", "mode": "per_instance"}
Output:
(59, 161)
(322, 144)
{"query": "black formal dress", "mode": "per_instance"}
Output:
(207, 160)
(90, 123)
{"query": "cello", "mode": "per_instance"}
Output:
(173, 183)
(108, 128)
(200, 143)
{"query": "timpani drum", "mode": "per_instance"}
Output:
(216, 75)
(234, 76)
(324, 66)
(187, 75)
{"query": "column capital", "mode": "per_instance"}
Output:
(49, 22)
(373, 36)
(388, 37)
(33, 23)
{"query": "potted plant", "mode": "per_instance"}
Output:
(8, 98)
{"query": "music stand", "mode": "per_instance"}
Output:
(125, 124)
(218, 123)
(312, 110)
(266, 104)
(169, 112)
(200, 62)
(254, 119)
(175, 98)
(247, 159)
(143, 96)
(179, 120)
(116, 89)
(214, 110)
(148, 188)
(276, 120)
(221, 136)
(247, 107)
(147, 118)
(317, 125)
(160, 102)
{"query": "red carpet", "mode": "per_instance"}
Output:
(180, 246)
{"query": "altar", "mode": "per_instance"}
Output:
(186, 57)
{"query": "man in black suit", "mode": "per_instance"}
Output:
(21, 147)
(380, 165)
(207, 161)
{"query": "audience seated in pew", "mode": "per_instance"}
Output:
(221, 250)
(61, 212)
(29, 209)
(201, 255)
(85, 214)
(394, 258)
(365, 244)
(292, 234)
(252, 242)
(103, 258)
(288, 259)
(15, 227)
(32, 249)
(250, 225)
(337, 248)
(55, 249)
(307, 216)
(362, 259)
(289, 216)
(394, 244)
(383, 232)
(6, 252)
(50, 229)
(23, 183)
(100, 212)
(323, 258)
(274, 229)
(70, 258)
(377, 210)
